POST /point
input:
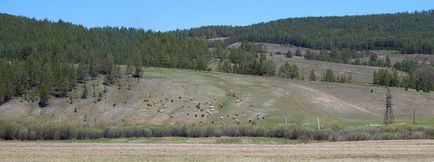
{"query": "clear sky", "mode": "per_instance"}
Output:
(164, 15)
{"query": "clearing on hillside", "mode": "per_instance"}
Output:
(173, 96)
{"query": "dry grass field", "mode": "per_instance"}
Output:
(142, 150)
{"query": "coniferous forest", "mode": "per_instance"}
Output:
(407, 32)
(41, 59)
(44, 58)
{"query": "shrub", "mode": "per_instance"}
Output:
(18, 131)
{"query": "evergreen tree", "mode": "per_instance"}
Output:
(288, 54)
(138, 72)
(82, 73)
(298, 52)
(312, 76)
(329, 76)
(84, 94)
(270, 68)
(44, 95)
(99, 97)
(388, 63)
(288, 71)
(129, 70)
(227, 66)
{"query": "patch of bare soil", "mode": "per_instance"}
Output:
(331, 102)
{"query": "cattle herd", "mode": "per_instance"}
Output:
(210, 110)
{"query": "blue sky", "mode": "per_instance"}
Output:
(164, 15)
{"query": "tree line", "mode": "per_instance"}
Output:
(347, 56)
(407, 32)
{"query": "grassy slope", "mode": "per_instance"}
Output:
(274, 99)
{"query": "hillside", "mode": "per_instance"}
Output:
(407, 32)
(46, 65)
(173, 96)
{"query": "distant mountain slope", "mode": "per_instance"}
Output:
(406, 32)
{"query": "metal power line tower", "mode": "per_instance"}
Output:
(388, 115)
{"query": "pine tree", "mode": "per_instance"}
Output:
(312, 76)
(329, 76)
(387, 63)
(227, 66)
(288, 54)
(270, 68)
(298, 52)
(84, 94)
(396, 81)
(99, 97)
(44, 95)
(82, 73)
(138, 72)
(129, 70)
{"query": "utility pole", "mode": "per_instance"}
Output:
(319, 125)
(388, 114)
(414, 116)
(286, 120)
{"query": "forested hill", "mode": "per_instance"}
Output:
(21, 37)
(39, 59)
(407, 32)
